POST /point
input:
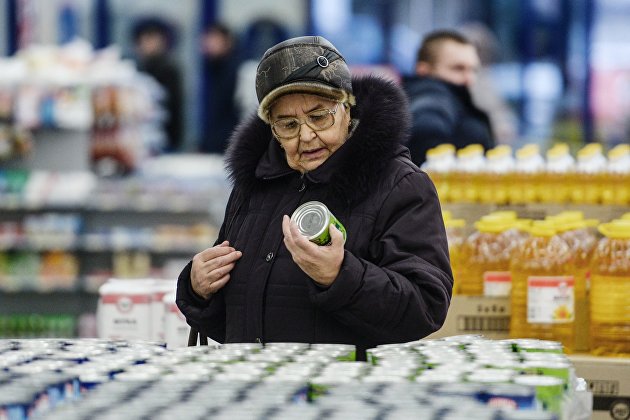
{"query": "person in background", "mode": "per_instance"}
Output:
(440, 101)
(153, 40)
(220, 65)
(260, 35)
(321, 136)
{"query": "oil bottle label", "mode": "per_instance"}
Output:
(497, 283)
(550, 299)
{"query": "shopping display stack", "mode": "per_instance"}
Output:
(539, 251)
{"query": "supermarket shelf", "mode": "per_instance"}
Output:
(51, 302)
(473, 211)
(140, 207)
(74, 248)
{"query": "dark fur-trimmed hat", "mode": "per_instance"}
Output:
(307, 64)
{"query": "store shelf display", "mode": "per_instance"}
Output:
(97, 99)
(468, 176)
(448, 378)
(64, 234)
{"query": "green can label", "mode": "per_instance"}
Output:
(313, 219)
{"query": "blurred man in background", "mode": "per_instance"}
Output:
(440, 100)
(153, 40)
(220, 67)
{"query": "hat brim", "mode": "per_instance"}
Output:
(312, 88)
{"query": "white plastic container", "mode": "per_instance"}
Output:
(124, 310)
(160, 288)
(175, 327)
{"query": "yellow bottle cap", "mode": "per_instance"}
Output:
(558, 149)
(590, 150)
(446, 148)
(527, 151)
(471, 150)
(616, 229)
(493, 225)
(568, 215)
(619, 151)
(499, 151)
(543, 228)
(501, 214)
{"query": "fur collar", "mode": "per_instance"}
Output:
(384, 126)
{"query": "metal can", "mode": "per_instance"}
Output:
(313, 219)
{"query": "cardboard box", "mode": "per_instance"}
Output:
(609, 380)
(488, 316)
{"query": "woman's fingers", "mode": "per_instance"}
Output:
(211, 267)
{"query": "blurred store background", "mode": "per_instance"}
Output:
(562, 65)
(107, 168)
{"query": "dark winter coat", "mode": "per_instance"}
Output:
(395, 281)
(443, 112)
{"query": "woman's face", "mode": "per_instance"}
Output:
(309, 148)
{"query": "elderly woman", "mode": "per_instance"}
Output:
(322, 136)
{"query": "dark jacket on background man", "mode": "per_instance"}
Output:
(167, 73)
(221, 110)
(443, 112)
(395, 281)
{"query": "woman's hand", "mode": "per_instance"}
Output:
(321, 263)
(211, 268)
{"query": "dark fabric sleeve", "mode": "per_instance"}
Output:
(206, 315)
(403, 292)
(434, 119)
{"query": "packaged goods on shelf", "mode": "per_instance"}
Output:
(608, 378)
(544, 271)
(74, 88)
(485, 258)
(484, 315)
(36, 325)
(135, 309)
(610, 291)
(176, 329)
(467, 176)
(458, 377)
(455, 236)
(499, 163)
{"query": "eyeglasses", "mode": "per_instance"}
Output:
(320, 119)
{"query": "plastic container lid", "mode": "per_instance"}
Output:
(543, 228)
(491, 225)
(616, 229)
(618, 152)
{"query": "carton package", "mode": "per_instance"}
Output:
(485, 315)
(608, 378)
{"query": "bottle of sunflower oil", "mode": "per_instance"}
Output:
(616, 183)
(518, 230)
(578, 234)
(494, 178)
(559, 168)
(485, 259)
(589, 173)
(455, 236)
(610, 291)
(528, 169)
(543, 287)
(470, 162)
(439, 165)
